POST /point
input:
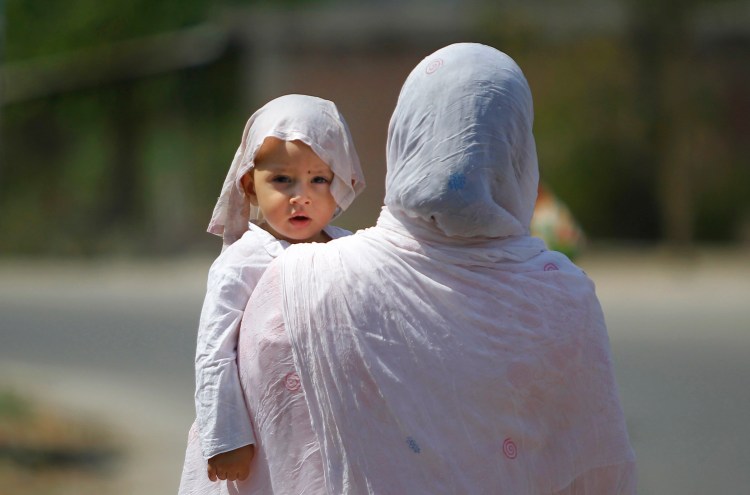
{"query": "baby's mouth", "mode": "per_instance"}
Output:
(299, 219)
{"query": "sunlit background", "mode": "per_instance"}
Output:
(119, 121)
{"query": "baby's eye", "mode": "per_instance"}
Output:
(320, 180)
(283, 179)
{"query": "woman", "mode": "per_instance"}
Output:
(443, 350)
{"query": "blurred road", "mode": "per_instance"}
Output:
(680, 332)
(115, 341)
(109, 342)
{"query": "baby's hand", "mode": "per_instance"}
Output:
(231, 466)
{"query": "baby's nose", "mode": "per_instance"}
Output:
(300, 196)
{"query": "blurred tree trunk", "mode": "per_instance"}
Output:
(2, 83)
(123, 199)
(659, 40)
(263, 57)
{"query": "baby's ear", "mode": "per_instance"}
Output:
(248, 185)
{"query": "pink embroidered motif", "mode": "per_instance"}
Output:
(509, 448)
(549, 267)
(291, 382)
(434, 65)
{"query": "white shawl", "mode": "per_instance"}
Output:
(444, 350)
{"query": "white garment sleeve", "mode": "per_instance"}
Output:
(222, 416)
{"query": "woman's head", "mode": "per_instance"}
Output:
(461, 152)
(306, 120)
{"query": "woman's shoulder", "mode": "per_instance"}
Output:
(336, 232)
(555, 261)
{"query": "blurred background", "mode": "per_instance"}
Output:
(118, 122)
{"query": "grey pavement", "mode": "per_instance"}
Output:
(114, 341)
(680, 333)
(111, 342)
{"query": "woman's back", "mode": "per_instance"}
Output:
(450, 377)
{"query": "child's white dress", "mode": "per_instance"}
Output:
(222, 421)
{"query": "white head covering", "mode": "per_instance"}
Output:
(315, 122)
(461, 153)
(445, 350)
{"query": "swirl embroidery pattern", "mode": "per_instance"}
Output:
(434, 65)
(292, 382)
(509, 448)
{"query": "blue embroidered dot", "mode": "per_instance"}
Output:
(456, 181)
(413, 445)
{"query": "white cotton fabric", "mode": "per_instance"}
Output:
(221, 414)
(432, 369)
(461, 152)
(444, 350)
(314, 121)
(287, 456)
(222, 419)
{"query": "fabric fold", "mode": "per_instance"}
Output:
(410, 364)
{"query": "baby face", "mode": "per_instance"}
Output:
(291, 186)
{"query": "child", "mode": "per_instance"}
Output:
(294, 171)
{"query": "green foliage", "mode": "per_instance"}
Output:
(37, 29)
(13, 407)
(60, 193)
(612, 111)
(135, 165)
(590, 149)
(279, 3)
